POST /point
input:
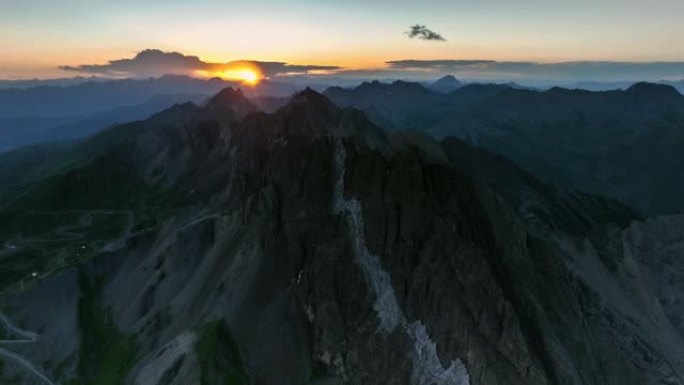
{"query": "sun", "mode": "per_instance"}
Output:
(248, 75)
(245, 75)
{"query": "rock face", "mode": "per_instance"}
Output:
(308, 246)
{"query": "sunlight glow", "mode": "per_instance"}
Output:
(247, 74)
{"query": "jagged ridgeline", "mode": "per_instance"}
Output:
(217, 244)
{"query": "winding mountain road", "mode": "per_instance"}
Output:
(25, 337)
(69, 232)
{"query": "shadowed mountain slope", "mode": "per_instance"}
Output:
(217, 244)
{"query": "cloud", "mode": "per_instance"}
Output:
(153, 62)
(280, 68)
(576, 70)
(423, 33)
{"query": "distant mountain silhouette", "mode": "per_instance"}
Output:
(657, 93)
(59, 82)
(75, 109)
(620, 144)
(617, 85)
(16, 132)
(445, 84)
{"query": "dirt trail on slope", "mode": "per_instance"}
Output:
(25, 337)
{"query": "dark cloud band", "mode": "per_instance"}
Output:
(154, 62)
(533, 70)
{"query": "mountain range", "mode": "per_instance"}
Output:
(324, 244)
(52, 111)
(622, 144)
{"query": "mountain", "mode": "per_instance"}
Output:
(445, 84)
(270, 103)
(218, 244)
(598, 86)
(26, 131)
(23, 166)
(393, 106)
(617, 85)
(401, 106)
(622, 144)
(93, 97)
(44, 113)
(48, 113)
(60, 82)
(98, 96)
(678, 84)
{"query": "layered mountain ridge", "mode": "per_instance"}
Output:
(619, 144)
(217, 244)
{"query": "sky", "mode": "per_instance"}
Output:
(37, 37)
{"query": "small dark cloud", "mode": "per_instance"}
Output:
(423, 33)
(153, 62)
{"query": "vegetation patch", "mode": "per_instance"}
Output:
(106, 356)
(219, 356)
(33, 244)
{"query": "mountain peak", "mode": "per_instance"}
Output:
(408, 86)
(445, 84)
(653, 89)
(395, 86)
(311, 113)
(228, 95)
(448, 80)
(313, 100)
(308, 94)
(373, 85)
(229, 103)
